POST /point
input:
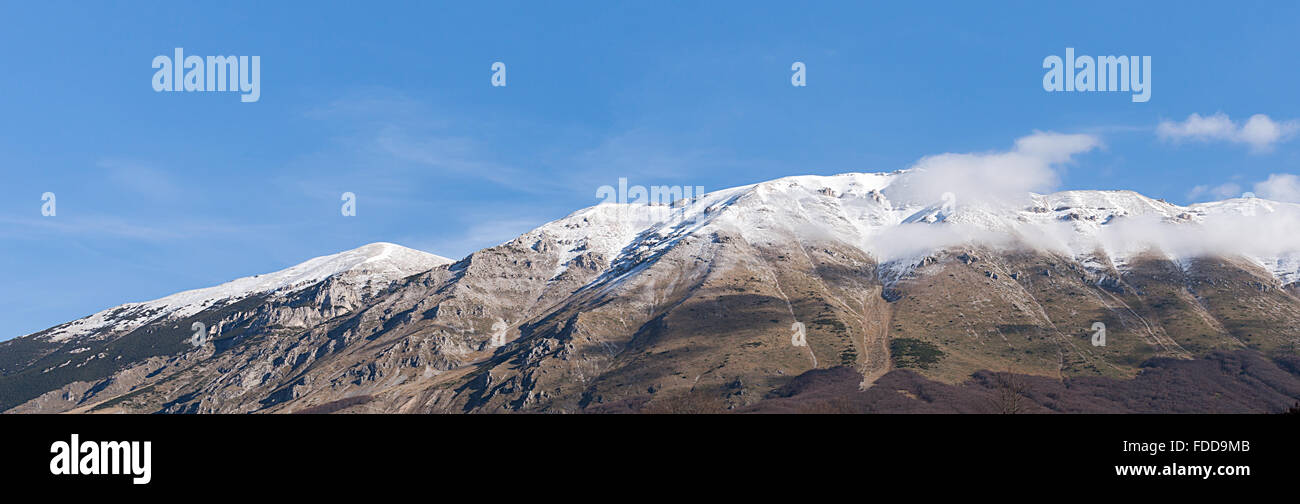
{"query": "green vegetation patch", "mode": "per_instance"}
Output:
(913, 353)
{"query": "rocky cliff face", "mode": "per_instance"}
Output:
(124, 349)
(710, 304)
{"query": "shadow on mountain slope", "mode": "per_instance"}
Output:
(1222, 382)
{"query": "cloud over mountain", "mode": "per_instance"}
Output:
(1259, 132)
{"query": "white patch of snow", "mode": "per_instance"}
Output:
(854, 208)
(364, 266)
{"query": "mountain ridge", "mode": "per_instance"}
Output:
(701, 297)
(394, 258)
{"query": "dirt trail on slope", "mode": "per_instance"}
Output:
(876, 317)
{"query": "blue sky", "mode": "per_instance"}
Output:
(162, 192)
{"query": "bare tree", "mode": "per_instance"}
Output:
(1010, 397)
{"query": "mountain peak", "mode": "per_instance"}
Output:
(734, 289)
(894, 219)
(372, 264)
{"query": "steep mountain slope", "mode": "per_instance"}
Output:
(127, 340)
(719, 300)
(715, 311)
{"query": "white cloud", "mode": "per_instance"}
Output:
(1219, 192)
(1279, 187)
(1005, 177)
(1217, 126)
(1271, 233)
(1267, 230)
(1259, 132)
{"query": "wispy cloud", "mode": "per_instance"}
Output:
(376, 105)
(118, 227)
(477, 235)
(1259, 132)
(1221, 191)
(453, 155)
(1277, 187)
(141, 179)
(638, 153)
(402, 143)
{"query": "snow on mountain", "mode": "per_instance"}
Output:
(852, 208)
(856, 208)
(370, 266)
(706, 272)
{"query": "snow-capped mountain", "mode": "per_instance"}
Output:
(719, 300)
(365, 269)
(856, 209)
